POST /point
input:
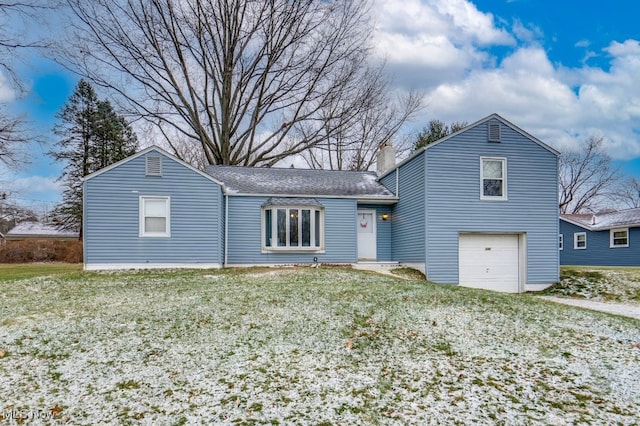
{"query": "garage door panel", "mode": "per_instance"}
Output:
(489, 262)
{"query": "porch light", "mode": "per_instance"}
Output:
(384, 216)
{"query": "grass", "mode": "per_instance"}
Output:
(11, 272)
(610, 284)
(311, 346)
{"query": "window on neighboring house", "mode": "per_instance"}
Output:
(155, 216)
(493, 179)
(619, 237)
(560, 242)
(293, 228)
(580, 240)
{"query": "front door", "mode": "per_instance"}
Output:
(366, 234)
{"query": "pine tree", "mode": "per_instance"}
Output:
(93, 136)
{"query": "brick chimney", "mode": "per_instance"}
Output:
(385, 158)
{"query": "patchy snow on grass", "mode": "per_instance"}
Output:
(307, 346)
(620, 285)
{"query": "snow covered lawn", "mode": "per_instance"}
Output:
(620, 285)
(306, 346)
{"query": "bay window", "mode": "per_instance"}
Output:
(292, 228)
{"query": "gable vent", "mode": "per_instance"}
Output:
(494, 132)
(154, 166)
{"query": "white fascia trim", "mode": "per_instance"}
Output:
(481, 121)
(573, 222)
(125, 266)
(143, 152)
(375, 200)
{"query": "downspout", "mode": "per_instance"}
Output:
(226, 226)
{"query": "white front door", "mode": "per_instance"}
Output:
(366, 223)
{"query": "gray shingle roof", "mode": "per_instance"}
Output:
(299, 182)
(601, 221)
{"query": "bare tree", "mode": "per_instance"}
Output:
(371, 118)
(13, 140)
(627, 194)
(586, 177)
(17, 19)
(237, 77)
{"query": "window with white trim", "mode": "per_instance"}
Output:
(292, 228)
(580, 240)
(619, 237)
(493, 178)
(560, 242)
(155, 212)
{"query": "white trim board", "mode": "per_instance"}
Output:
(125, 266)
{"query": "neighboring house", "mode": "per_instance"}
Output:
(39, 231)
(602, 239)
(476, 208)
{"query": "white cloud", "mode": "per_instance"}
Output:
(446, 47)
(435, 36)
(33, 189)
(7, 94)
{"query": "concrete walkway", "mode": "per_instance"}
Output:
(631, 311)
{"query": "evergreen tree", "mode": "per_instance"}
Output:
(93, 136)
(436, 130)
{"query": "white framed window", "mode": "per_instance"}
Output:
(493, 178)
(291, 228)
(580, 240)
(619, 237)
(155, 216)
(560, 242)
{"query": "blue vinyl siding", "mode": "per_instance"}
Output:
(454, 206)
(111, 227)
(383, 231)
(408, 215)
(598, 251)
(245, 234)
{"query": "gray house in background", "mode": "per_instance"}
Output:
(477, 208)
(602, 239)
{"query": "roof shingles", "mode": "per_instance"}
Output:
(299, 182)
(602, 221)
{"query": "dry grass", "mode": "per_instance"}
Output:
(307, 346)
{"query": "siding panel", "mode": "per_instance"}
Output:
(454, 205)
(245, 238)
(111, 233)
(598, 252)
(408, 215)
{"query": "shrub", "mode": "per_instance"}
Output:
(27, 251)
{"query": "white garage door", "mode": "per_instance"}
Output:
(489, 261)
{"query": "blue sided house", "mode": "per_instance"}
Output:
(603, 239)
(478, 208)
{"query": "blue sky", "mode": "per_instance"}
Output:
(562, 70)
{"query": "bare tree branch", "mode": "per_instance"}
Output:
(586, 178)
(239, 78)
